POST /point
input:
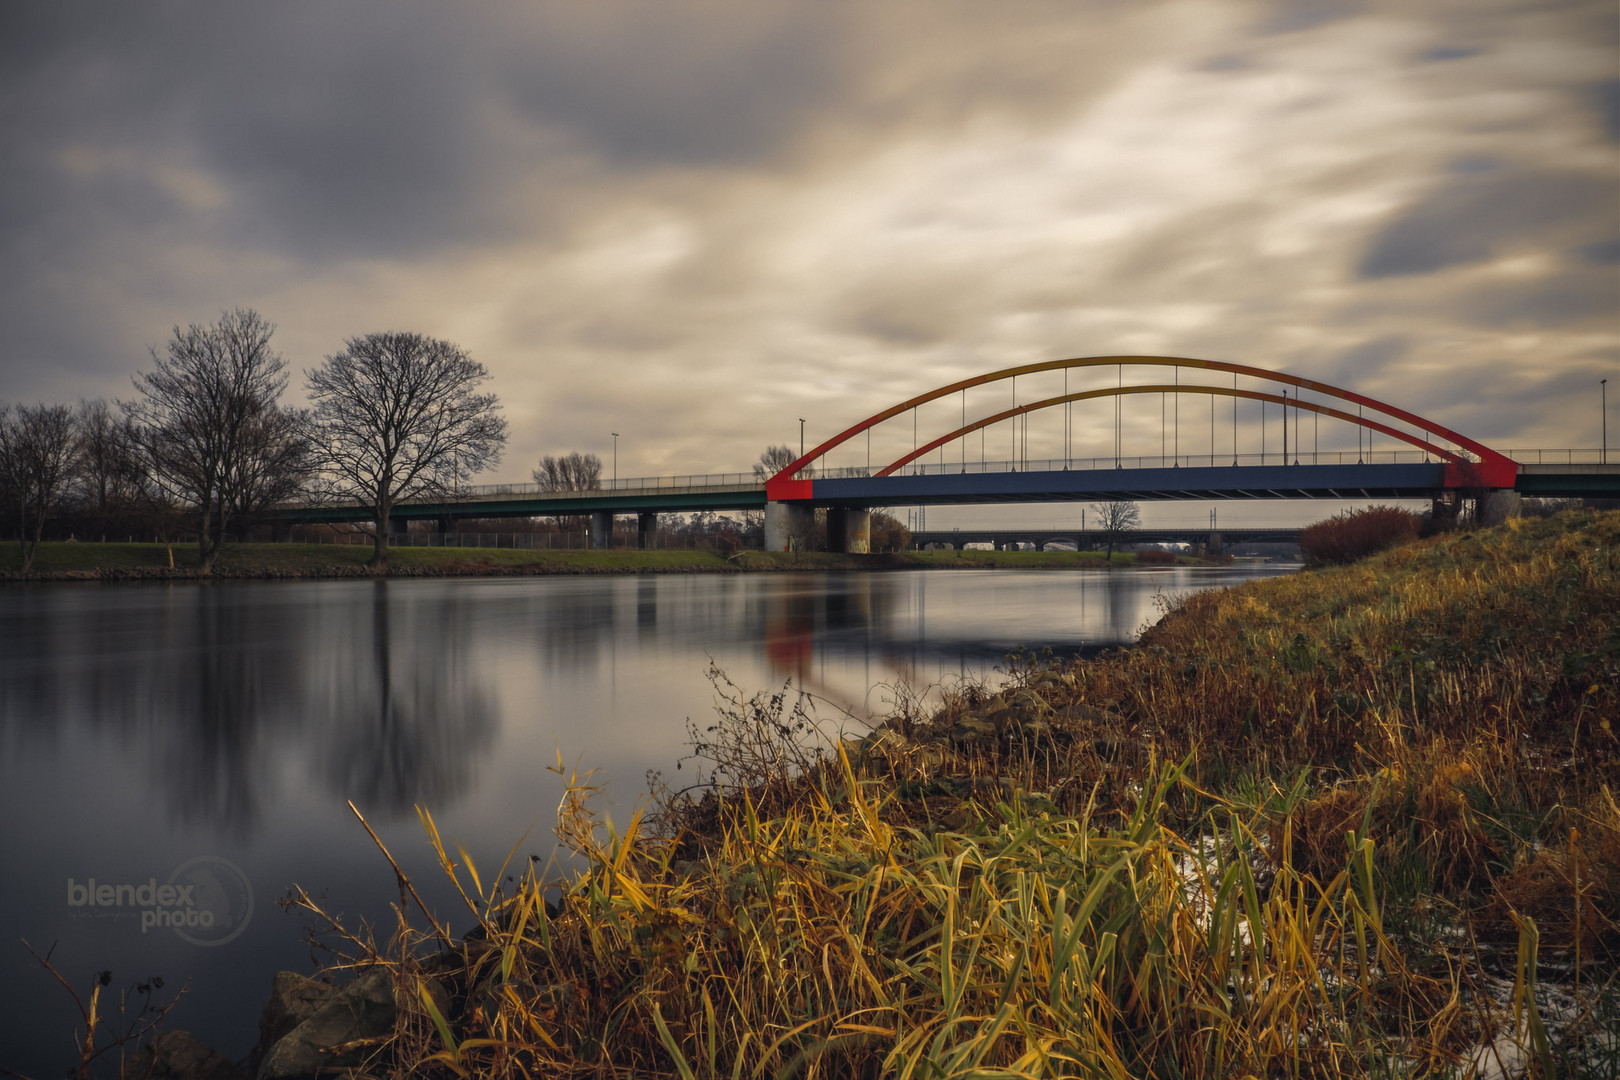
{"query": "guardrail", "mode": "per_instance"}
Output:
(695, 483)
(1186, 461)
(1562, 457)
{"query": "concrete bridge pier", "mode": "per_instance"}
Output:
(789, 526)
(849, 530)
(646, 530)
(601, 530)
(1212, 546)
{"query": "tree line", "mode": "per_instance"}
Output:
(205, 445)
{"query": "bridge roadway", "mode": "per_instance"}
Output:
(1398, 474)
(1091, 538)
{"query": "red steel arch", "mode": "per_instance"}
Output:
(1488, 469)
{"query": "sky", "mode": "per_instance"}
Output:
(695, 223)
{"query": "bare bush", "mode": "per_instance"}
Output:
(1358, 533)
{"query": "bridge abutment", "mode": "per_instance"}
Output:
(789, 526)
(849, 530)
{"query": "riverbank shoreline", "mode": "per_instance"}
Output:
(117, 562)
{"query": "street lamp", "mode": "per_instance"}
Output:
(1603, 394)
(615, 460)
(801, 436)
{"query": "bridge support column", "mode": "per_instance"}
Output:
(280, 532)
(445, 524)
(646, 530)
(1212, 546)
(849, 530)
(789, 526)
(601, 530)
(1497, 506)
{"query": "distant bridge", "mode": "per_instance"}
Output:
(1087, 539)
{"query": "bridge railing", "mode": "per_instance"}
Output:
(1577, 456)
(696, 483)
(1201, 461)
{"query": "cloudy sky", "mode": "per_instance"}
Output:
(695, 223)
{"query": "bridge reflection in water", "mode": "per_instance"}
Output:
(846, 637)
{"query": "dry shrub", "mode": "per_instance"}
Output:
(1421, 814)
(1357, 534)
(1155, 557)
(1571, 889)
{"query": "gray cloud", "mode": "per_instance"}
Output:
(1607, 96)
(1474, 217)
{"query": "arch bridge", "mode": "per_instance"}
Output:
(1436, 462)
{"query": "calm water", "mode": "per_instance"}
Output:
(208, 737)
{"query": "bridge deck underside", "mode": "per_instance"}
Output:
(1089, 485)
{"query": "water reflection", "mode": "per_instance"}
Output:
(209, 688)
(390, 692)
(413, 720)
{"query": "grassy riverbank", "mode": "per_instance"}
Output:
(1355, 821)
(131, 561)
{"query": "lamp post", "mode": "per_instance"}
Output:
(1603, 397)
(615, 460)
(801, 436)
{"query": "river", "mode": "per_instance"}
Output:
(197, 744)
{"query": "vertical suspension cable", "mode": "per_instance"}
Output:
(1119, 400)
(1285, 427)
(1178, 416)
(1234, 418)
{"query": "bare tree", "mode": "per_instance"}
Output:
(203, 414)
(398, 416)
(278, 465)
(1116, 520)
(571, 472)
(37, 453)
(110, 481)
(773, 461)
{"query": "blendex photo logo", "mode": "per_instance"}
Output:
(206, 901)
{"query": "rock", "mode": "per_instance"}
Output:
(361, 1012)
(293, 999)
(972, 729)
(177, 1055)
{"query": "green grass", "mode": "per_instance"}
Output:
(275, 560)
(283, 560)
